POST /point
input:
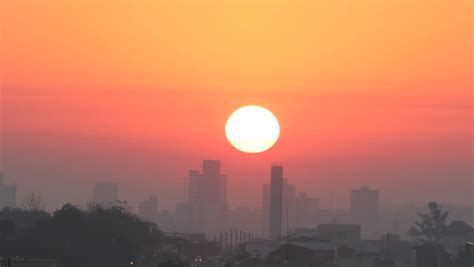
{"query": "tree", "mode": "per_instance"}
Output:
(432, 225)
(7, 229)
(95, 237)
(458, 229)
(22, 219)
(33, 202)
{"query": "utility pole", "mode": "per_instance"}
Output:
(221, 239)
(287, 248)
(387, 244)
(226, 244)
(236, 238)
(179, 253)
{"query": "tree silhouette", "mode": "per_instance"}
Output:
(7, 229)
(22, 219)
(33, 202)
(432, 225)
(459, 229)
(96, 236)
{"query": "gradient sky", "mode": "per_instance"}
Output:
(366, 92)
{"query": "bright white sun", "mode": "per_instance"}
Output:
(252, 129)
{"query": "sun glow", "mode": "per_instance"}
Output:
(252, 129)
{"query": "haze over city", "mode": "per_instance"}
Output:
(139, 93)
(135, 99)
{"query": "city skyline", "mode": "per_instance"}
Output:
(264, 133)
(327, 199)
(360, 100)
(297, 210)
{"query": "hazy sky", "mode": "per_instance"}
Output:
(366, 92)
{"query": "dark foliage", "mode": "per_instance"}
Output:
(23, 219)
(433, 226)
(458, 229)
(97, 236)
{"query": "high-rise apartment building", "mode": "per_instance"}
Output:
(207, 197)
(276, 202)
(365, 208)
(7, 194)
(148, 209)
(105, 193)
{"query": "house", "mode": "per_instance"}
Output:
(331, 232)
(300, 255)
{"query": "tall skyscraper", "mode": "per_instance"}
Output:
(276, 201)
(148, 209)
(365, 208)
(7, 194)
(288, 206)
(105, 193)
(194, 183)
(207, 196)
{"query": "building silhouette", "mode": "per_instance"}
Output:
(186, 217)
(365, 207)
(306, 210)
(299, 210)
(166, 221)
(276, 202)
(148, 209)
(265, 209)
(7, 194)
(331, 232)
(289, 201)
(207, 199)
(105, 193)
(194, 182)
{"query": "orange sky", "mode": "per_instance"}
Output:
(374, 92)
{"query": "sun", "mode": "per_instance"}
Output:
(252, 129)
